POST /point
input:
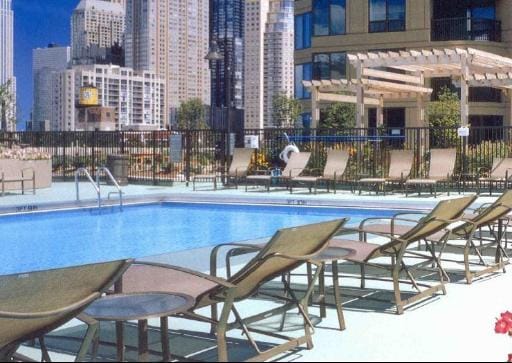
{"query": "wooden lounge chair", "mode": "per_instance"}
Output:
(500, 173)
(34, 304)
(237, 171)
(399, 171)
(446, 213)
(335, 167)
(296, 165)
(441, 170)
(287, 250)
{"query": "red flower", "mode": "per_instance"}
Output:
(502, 327)
(509, 358)
(507, 317)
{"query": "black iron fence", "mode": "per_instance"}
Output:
(163, 157)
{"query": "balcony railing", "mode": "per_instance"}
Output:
(466, 29)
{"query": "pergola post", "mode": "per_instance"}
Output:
(380, 112)
(464, 91)
(359, 96)
(315, 107)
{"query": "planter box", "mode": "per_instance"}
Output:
(12, 169)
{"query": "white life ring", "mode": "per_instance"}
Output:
(287, 152)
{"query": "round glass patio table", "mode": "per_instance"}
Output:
(141, 307)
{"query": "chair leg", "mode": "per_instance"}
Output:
(396, 286)
(90, 337)
(221, 331)
(44, 351)
(337, 295)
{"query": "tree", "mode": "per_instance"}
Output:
(446, 111)
(191, 115)
(443, 118)
(7, 117)
(285, 110)
(339, 116)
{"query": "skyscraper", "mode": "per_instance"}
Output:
(227, 29)
(97, 30)
(7, 111)
(171, 39)
(269, 49)
(279, 52)
(45, 63)
(255, 19)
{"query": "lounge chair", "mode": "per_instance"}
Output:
(335, 167)
(237, 171)
(287, 250)
(34, 304)
(500, 173)
(400, 166)
(294, 168)
(446, 213)
(441, 170)
(493, 215)
(435, 223)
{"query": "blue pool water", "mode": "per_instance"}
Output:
(40, 241)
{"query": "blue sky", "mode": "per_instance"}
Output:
(36, 24)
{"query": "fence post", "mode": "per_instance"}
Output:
(419, 154)
(64, 158)
(188, 151)
(153, 166)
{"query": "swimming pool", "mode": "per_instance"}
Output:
(40, 241)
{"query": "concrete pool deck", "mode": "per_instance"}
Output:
(456, 327)
(64, 193)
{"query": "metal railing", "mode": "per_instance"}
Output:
(466, 29)
(109, 175)
(166, 157)
(96, 187)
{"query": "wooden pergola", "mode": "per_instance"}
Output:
(404, 79)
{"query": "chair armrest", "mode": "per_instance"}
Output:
(215, 253)
(204, 276)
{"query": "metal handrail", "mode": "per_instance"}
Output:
(112, 179)
(84, 171)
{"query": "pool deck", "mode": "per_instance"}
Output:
(63, 194)
(456, 327)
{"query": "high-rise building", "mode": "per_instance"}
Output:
(328, 30)
(279, 51)
(256, 12)
(97, 32)
(269, 58)
(7, 111)
(45, 63)
(227, 29)
(137, 97)
(171, 38)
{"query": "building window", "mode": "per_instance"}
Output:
(476, 94)
(387, 16)
(329, 66)
(329, 17)
(303, 72)
(303, 29)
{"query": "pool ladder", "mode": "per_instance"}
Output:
(97, 185)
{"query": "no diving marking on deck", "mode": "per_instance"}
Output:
(27, 208)
(296, 202)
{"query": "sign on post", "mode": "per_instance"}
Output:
(463, 131)
(176, 148)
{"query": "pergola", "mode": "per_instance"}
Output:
(391, 76)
